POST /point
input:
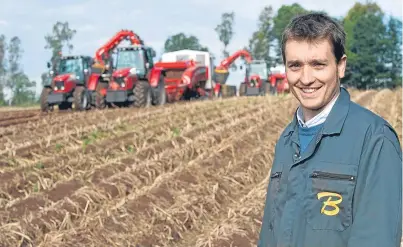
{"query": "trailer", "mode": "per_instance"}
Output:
(191, 68)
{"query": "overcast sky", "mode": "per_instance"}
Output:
(154, 20)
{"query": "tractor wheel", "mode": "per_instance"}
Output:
(80, 99)
(273, 90)
(142, 94)
(242, 89)
(45, 107)
(159, 95)
(267, 88)
(100, 102)
(264, 88)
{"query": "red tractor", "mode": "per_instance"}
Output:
(134, 81)
(221, 72)
(258, 81)
(67, 85)
(102, 69)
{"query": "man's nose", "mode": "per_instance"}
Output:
(307, 75)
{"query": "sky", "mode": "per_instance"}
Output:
(153, 20)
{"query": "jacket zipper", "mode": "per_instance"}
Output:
(276, 175)
(326, 175)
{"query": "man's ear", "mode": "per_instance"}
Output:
(341, 66)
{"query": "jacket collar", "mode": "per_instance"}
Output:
(319, 118)
(335, 120)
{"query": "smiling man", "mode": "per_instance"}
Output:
(336, 179)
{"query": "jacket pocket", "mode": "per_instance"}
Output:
(329, 196)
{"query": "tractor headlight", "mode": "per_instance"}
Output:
(123, 84)
(62, 88)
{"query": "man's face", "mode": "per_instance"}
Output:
(312, 73)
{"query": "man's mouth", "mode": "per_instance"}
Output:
(310, 90)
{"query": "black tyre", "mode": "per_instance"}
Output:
(242, 89)
(273, 90)
(81, 100)
(263, 88)
(142, 94)
(159, 96)
(100, 102)
(45, 107)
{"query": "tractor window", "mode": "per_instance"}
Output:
(150, 58)
(130, 59)
(68, 66)
(258, 69)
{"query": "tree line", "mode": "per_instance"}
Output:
(373, 46)
(373, 42)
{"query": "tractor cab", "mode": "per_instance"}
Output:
(137, 60)
(256, 79)
(257, 68)
(71, 68)
(256, 73)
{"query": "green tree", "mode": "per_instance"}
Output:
(280, 21)
(3, 48)
(60, 38)
(262, 40)
(366, 46)
(18, 83)
(225, 31)
(181, 41)
(22, 90)
(393, 51)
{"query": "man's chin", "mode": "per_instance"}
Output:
(311, 104)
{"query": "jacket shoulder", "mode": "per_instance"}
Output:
(372, 124)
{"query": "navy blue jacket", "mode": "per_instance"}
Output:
(345, 190)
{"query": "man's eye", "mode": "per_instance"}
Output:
(318, 65)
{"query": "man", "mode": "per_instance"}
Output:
(336, 179)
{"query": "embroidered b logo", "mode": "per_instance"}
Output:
(330, 203)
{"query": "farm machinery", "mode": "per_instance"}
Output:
(66, 88)
(102, 69)
(179, 75)
(221, 73)
(258, 81)
(134, 80)
(279, 83)
(185, 74)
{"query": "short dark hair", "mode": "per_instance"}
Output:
(314, 26)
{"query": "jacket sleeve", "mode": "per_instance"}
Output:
(377, 211)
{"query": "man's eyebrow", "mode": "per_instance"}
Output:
(316, 60)
(293, 61)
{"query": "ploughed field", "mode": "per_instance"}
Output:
(186, 174)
